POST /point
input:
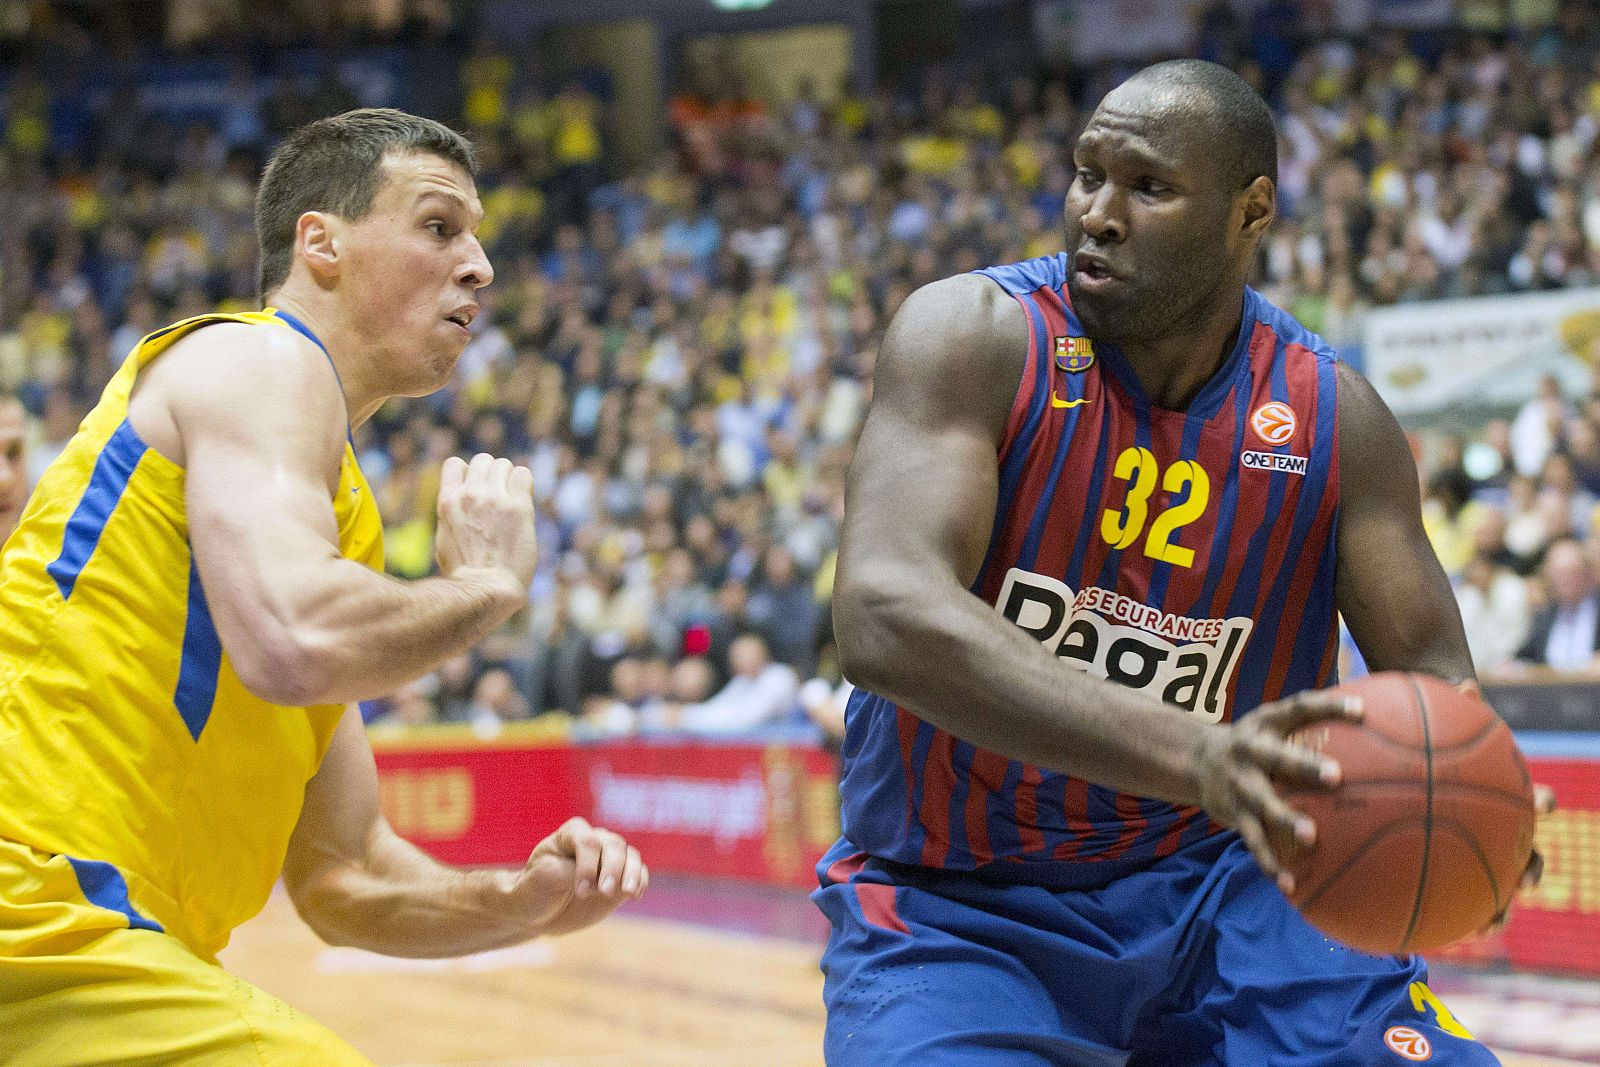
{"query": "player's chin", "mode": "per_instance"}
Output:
(1102, 315)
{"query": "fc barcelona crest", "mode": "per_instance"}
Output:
(1074, 354)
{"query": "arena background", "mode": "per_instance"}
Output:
(702, 213)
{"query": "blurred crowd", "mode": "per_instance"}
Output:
(682, 349)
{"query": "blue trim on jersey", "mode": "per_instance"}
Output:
(109, 480)
(1230, 506)
(921, 743)
(1031, 275)
(1243, 601)
(1319, 618)
(1029, 553)
(1017, 460)
(961, 754)
(202, 659)
(104, 887)
(1142, 438)
(1162, 573)
(1253, 683)
(1097, 476)
(301, 328)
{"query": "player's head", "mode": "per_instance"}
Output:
(13, 463)
(376, 209)
(1175, 183)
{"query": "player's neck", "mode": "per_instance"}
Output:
(341, 339)
(1173, 368)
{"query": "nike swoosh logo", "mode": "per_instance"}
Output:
(1057, 402)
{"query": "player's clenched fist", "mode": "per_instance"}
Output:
(486, 517)
(1235, 766)
(577, 876)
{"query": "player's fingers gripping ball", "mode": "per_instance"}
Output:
(1429, 834)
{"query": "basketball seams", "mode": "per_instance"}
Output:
(1371, 842)
(1427, 809)
(1464, 832)
(1406, 785)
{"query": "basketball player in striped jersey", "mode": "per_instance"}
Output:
(1105, 510)
(194, 596)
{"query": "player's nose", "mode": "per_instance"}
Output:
(1102, 217)
(475, 271)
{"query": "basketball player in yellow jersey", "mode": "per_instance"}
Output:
(195, 591)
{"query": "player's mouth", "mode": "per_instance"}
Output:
(1095, 273)
(462, 318)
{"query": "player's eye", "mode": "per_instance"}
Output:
(1087, 177)
(1152, 188)
(438, 228)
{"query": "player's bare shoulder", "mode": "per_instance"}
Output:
(237, 378)
(956, 348)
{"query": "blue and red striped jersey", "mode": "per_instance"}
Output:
(1185, 554)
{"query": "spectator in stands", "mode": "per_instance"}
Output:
(13, 463)
(760, 693)
(1494, 610)
(495, 702)
(409, 706)
(1539, 427)
(783, 607)
(1565, 632)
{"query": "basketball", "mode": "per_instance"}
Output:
(1426, 839)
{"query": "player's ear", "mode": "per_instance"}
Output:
(1260, 202)
(315, 235)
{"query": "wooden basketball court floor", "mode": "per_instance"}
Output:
(657, 985)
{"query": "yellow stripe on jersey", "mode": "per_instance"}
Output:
(129, 743)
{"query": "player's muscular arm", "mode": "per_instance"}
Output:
(256, 418)
(1390, 587)
(923, 489)
(356, 883)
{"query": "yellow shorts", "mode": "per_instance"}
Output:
(80, 988)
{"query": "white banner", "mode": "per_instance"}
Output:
(1481, 353)
(1090, 30)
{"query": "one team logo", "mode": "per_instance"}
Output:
(1074, 354)
(1273, 422)
(1273, 461)
(1409, 1043)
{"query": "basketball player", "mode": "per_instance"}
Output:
(194, 595)
(1104, 510)
(13, 463)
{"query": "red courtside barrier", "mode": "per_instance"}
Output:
(766, 813)
(1556, 927)
(761, 813)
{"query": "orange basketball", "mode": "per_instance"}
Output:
(1426, 838)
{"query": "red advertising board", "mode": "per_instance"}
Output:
(1556, 927)
(471, 803)
(766, 813)
(762, 813)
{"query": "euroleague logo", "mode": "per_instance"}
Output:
(1274, 422)
(1409, 1043)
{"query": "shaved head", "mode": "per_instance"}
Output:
(1212, 102)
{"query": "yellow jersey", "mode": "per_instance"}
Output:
(127, 742)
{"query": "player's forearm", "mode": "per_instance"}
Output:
(355, 634)
(402, 903)
(945, 655)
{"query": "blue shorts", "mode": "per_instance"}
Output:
(1196, 960)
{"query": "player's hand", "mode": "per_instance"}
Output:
(486, 518)
(1235, 766)
(577, 876)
